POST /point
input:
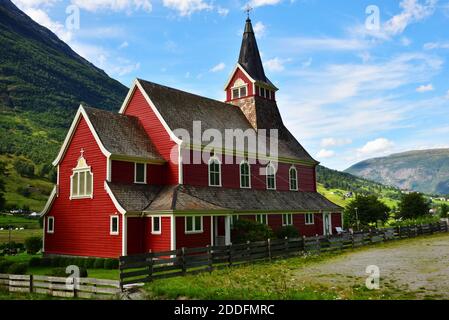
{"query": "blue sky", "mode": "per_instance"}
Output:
(348, 90)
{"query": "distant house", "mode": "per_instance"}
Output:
(125, 185)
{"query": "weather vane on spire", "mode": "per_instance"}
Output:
(248, 9)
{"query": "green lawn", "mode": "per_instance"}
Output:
(18, 221)
(19, 236)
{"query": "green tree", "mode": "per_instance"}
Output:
(247, 230)
(24, 168)
(368, 209)
(413, 205)
(444, 211)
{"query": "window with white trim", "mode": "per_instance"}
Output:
(234, 219)
(214, 172)
(239, 89)
(245, 175)
(114, 229)
(140, 173)
(81, 181)
(156, 225)
(194, 224)
(262, 218)
(271, 177)
(310, 218)
(287, 219)
(293, 178)
(50, 224)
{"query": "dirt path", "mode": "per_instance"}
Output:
(415, 268)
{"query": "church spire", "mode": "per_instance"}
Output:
(249, 57)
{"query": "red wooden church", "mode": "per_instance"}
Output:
(125, 186)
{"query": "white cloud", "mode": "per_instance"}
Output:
(412, 11)
(376, 147)
(335, 142)
(124, 45)
(41, 17)
(187, 7)
(275, 64)
(259, 29)
(406, 41)
(218, 67)
(425, 88)
(114, 5)
(436, 45)
(222, 11)
(261, 3)
(301, 44)
(324, 154)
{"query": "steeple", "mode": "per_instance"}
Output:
(249, 57)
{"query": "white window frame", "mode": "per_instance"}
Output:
(260, 218)
(270, 165)
(239, 85)
(241, 176)
(48, 224)
(214, 158)
(144, 173)
(286, 223)
(290, 178)
(112, 232)
(160, 225)
(307, 221)
(193, 231)
(86, 195)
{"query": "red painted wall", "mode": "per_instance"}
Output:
(139, 108)
(123, 172)
(192, 240)
(82, 226)
(238, 74)
(197, 174)
(135, 239)
(158, 242)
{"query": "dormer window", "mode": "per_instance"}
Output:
(239, 89)
(214, 172)
(140, 173)
(271, 177)
(81, 181)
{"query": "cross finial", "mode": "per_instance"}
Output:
(82, 152)
(248, 9)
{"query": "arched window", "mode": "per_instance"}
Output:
(293, 173)
(214, 172)
(271, 177)
(81, 181)
(245, 174)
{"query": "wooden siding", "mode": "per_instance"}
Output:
(139, 108)
(192, 240)
(82, 227)
(239, 74)
(158, 242)
(197, 174)
(123, 172)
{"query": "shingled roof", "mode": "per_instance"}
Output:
(180, 109)
(249, 57)
(122, 135)
(138, 198)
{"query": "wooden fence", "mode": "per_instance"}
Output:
(60, 287)
(157, 265)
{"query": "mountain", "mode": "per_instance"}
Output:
(42, 83)
(425, 171)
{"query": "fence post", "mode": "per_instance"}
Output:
(303, 244)
(31, 283)
(269, 248)
(318, 244)
(446, 226)
(183, 260)
(150, 266)
(248, 251)
(286, 245)
(209, 258)
(230, 255)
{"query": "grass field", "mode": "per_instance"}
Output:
(18, 221)
(319, 277)
(19, 236)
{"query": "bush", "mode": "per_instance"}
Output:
(35, 262)
(246, 230)
(4, 266)
(55, 261)
(413, 205)
(111, 264)
(33, 245)
(61, 272)
(89, 263)
(18, 268)
(287, 231)
(99, 263)
(46, 262)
